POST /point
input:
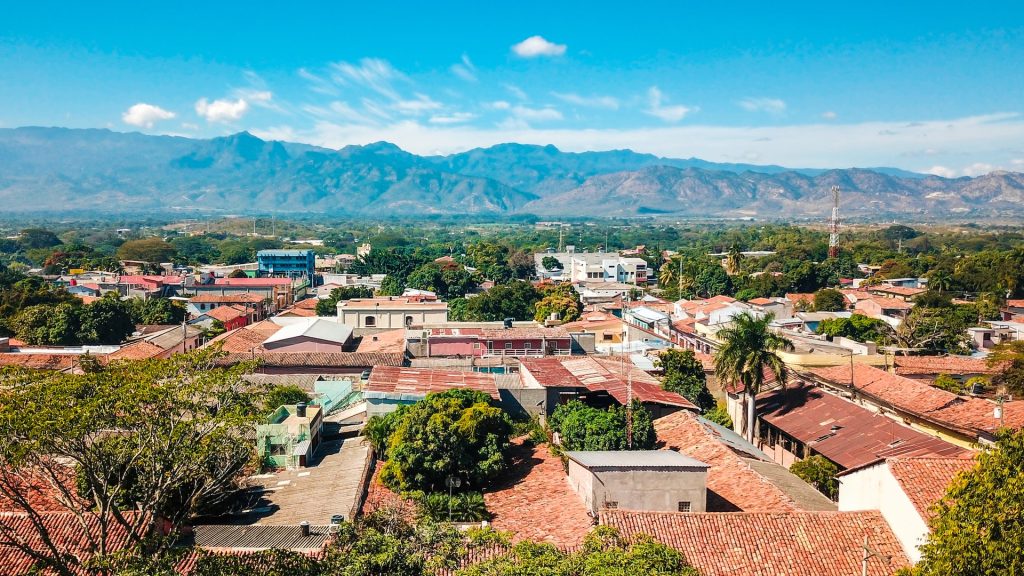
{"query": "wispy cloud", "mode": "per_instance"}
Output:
(829, 115)
(516, 91)
(145, 115)
(419, 104)
(317, 83)
(657, 106)
(453, 118)
(545, 114)
(373, 73)
(223, 110)
(595, 101)
(769, 105)
(536, 46)
(465, 69)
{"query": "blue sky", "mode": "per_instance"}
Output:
(923, 86)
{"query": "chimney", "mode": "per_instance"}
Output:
(300, 409)
(304, 528)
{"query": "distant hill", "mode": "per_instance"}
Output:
(66, 170)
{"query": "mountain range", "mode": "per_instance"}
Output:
(63, 170)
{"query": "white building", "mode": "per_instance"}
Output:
(391, 312)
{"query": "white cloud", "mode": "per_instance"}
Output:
(453, 118)
(769, 105)
(465, 69)
(943, 171)
(535, 46)
(978, 168)
(418, 105)
(499, 105)
(318, 84)
(222, 110)
(829, 115)
(595, 101)
(516, 91)
(544, 114)
(145, 115)
(657, 107)
(993, 139)
(374, 73)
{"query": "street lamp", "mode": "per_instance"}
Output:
(452, 482)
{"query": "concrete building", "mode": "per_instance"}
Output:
(391, 312)
(601, 267)
(469, 341)
(287, 263)
(651, 480)
(278, 292)
(903, 490)
(310, 335)
(391, 386)
(290, 436)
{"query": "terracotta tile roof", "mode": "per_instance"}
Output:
(760, 301)
(86, 299)
(227, 298)
(888, 303)
(66, 533)
(733, 486)
(925, 480)
(399, 380)
(897, 290)
(795, 297)
(37, 490)
(537, 503)
(139, 350)
(246, 339)
(593, 321)
(379, 497)
(39, 361)
(968, 415)
(307, 304)
(316, 359)
(1015, 303)
(227, 313)
(387, 341)
(842, 431)
(932, 365)
(759, 544)
(602, 375)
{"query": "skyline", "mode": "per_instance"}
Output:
(886, 86)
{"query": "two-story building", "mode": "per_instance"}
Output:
(286, 263)
(391, 312)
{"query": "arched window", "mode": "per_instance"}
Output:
(371, 321)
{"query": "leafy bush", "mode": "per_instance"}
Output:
(948, 383)
(283, 395)
(379, 429)
(459, 507)
(719, 415)
(819, 472)
(581, 427)
(684, 375)
(452, 434)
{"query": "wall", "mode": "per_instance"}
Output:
(652, 490)
(454, 346)
(303, 344)
(875, 488)
(391, 317)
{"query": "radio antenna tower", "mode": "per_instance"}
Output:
(833, 225)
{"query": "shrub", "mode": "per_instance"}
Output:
(581, 427)
(459, 507)
(819, 472)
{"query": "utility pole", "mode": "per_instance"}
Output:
(833, 225)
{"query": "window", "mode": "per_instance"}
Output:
(611, 505)
(278, 450)
(508, 345)
(684, 506)
(476, 345)
(408, 321)
(527, 345)
(607, 337)
(371, 321)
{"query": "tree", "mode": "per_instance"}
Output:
(1010, 357)
(829, 300)
(948, 383)
(550, 263)
(151, 250)
(711, 280)
(516, 299)
(156, 311)
(329, 306)
(30, 238)
(380, 427)
(284, 395)
(238, 273)
(560, 299)
(583, 427)
(138, 441)
(105, 321)
(819, 472)
(935, 329)
(447, 282)
(520, 262)
(975, 529)
(604, 553)
(49, 325)
(857, 327)
(392, 285)
(734, 260)
(451, 434)
(684, 374)
(749, 349)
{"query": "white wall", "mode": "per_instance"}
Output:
(875, 488)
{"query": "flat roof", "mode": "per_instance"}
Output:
(643, 459)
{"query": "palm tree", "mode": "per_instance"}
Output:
(733, 260)
(749, 349)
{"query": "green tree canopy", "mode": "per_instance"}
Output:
(551, 263)
(582, 427)
(516, 299)
(977, 528)
(684, 374)
(857, 327)
(151, 250)
(451, 434)
(829, 300)
(819, 472)
(329, 306)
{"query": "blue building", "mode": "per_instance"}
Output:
(286, 263)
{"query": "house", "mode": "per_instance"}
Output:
(962, 420)
(231, 317)
(391, 312)
(656, 480)
(301, 309)
(593, 292)
(471, 341)
(254, 304)
(391, 386)
(890, 310)
(740, 477)
(290, 436)
(606, 328)
(252, 538)
(162, 343)
(1013, 310)
(148, 286)
(287, 263)
(899, 292)
(594, 267)
(903, 490)
(278, 293)
(789, 543)
(802, 420)
(310, 335)
(801, 300)
(780, 307)
(927, 368)
(598, 382)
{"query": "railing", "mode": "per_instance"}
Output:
(526, 352)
